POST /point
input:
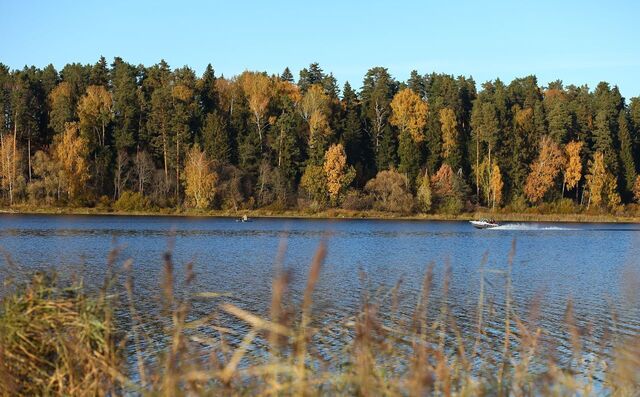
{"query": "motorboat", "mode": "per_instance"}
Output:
(244, 219)
(484, 224)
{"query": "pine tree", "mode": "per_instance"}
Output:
(207, 91)
(626, 152)
(352, 133)
(287, 75)
(126, 108)
(215, 139)
(99, 74)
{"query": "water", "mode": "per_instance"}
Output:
(592, 264)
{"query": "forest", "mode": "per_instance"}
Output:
(142, 138)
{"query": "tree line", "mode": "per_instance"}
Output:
(138, 137)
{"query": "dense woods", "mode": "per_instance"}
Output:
(134, 137)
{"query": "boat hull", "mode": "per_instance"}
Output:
(483, 225)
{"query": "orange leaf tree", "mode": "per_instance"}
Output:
(71, 151)
(338, 174)
(544, 170)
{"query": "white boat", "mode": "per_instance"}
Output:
(484, 224)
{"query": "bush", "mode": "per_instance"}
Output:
(357, 201)
(132, 201)
(451, 206)
(390, 192)
(103, 203)
(518, 205)
(565, 206)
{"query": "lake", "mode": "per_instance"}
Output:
(594, 265)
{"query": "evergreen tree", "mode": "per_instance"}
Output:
(99, 73)
(287, 75)
(126, 108)
(215, 140)
(378, 89)
(626, 153)
(207, 91)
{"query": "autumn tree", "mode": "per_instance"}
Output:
(257, 88)
(409, 114)
(95, 113)
(47, 184)
(10, 164)
(448, 189)
(71, 151)
(339, 175)
(200, 179)
(183, 109)
(314, 182)
(314, 109)
(484, 121)
(543, 170)
(601, 184)
(572, 171)
(449, 128)
(423, 194)
(496, 186)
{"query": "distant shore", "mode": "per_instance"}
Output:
(328, 214)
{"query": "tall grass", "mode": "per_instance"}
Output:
(59, 341)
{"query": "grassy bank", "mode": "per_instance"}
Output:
(503, 216)
(56, 340)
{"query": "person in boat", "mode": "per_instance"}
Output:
(244, 218)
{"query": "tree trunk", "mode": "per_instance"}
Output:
(477, 170)
(177, 167)
(29, 155)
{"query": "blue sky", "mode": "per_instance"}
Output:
(575, 41)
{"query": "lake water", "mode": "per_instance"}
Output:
(592, 264)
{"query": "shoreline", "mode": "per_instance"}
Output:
(331, 214)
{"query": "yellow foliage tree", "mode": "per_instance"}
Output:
(95, 112)
(544, 170)
(449, 127)
(10, 164)
(601, 184)
(338, 174)
(490, 180)
(496, 185)
(70, 151)
(200, 179)
(423, 194)
(573, 165)
(314, 182)
(257, 88)
(409, 113)
(314, 108)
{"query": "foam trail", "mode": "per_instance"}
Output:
(529, 226)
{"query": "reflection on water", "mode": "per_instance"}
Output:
(553, 262)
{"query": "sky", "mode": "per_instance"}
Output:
(579, 42)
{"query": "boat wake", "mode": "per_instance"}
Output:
(528, 226)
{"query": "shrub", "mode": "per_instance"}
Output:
(390, 192)
(132, 201)
(357, 201)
